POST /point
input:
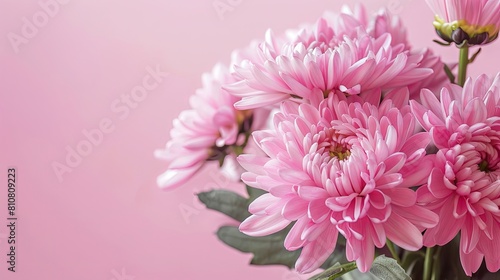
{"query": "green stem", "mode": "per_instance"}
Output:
(436, 265)
(463, 62)
(428, 263)
(345, 268)
(335, 271)
(392, 249)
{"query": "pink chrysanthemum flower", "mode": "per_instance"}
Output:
(464, 190)
(347, 52)
(474, 21)
(463, 115)
(464, 186)
(346, 168)
(205, 132)
(360, 65)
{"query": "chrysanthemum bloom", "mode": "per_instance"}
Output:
(208, 131)
(464, 186)
(348, 53)
(464, 190)
(461, 115)
(357, 66)
(474, 21)
(345, 168)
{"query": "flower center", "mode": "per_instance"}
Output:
(483, 166)
(339, 147)
(490, 160)
(339, 152)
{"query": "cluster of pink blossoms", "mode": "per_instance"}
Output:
(345, 154)
(338, 160)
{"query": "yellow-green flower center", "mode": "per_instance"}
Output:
(340, 152)
(483, 166)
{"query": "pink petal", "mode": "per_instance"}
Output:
(259, 205)
(403, 233)
(257, 225)
(187, 160)
(318, 211)
(469, 236)
(436, 184)
(314, 254)
(419, 216)
(174, 178)
(447, 228)
(293, 241)
(471, 262)
(401, 196)
(295, 208)
(253, 163)
(312, 193)
(256, 101)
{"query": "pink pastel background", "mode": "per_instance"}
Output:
(106, 218)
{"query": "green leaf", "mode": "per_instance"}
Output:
(388, 269)
(266, 250)
(227, 202)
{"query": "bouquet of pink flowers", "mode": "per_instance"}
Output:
(357, 150)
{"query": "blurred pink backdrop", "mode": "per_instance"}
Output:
(104, 217)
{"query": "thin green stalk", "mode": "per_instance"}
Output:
(392, 249)
(345, 268)
(335, 271)
(428, 263)
(463, 62)
(436, 265)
